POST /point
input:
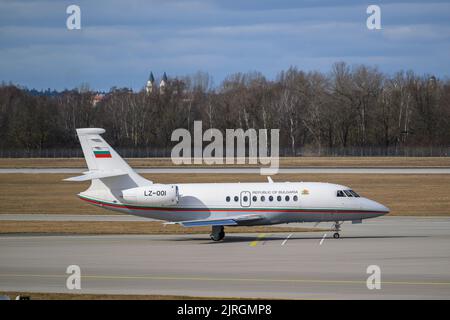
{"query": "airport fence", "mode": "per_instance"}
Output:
(284, 152)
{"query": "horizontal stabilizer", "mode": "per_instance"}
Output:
(230, 221)
(90, 175)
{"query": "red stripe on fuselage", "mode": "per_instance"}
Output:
(312, 211)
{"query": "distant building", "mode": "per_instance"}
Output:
(97, 98)
(150, 84)
(163, 83)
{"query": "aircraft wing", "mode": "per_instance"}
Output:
(228, 221)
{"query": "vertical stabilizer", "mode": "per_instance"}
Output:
(98, 153)
(105, 163)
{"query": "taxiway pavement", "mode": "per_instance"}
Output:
(413, 255)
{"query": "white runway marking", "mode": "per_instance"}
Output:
(321, 241)
(285, 240)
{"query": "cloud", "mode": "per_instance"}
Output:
(423, 33)
(120, 42)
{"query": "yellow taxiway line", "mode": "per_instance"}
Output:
(259, 238)
(118, 277)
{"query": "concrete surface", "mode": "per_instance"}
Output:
(413, 254)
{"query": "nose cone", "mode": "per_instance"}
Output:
(377, 208)
(382, 208)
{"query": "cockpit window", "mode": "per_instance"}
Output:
(348, 193)
(354, 193)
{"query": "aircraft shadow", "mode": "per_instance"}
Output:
(230, 238)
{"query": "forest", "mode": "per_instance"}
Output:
(348, 108)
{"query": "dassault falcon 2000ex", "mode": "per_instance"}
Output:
(116, 186)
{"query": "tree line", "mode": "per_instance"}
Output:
(350, 106)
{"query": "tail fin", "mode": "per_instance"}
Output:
(104, 162)
(98, 153)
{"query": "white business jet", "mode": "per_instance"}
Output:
(116, 186)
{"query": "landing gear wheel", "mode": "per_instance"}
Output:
(217, 236)
(217, 233)
(336, 229)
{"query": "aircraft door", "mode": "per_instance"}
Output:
(245, 199)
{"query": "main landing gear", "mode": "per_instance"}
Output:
(217, 233)
(337, 228)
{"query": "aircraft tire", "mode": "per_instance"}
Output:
(217, 236)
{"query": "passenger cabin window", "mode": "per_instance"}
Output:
(287, 198)
(340, 193)
(279, 198)
(270, 198)
(263, 198)
(295, 198)
(228, 199)
(236, 198)
(254, 198)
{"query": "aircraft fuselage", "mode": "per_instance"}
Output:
(280, 202)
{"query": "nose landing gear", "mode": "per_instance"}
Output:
(336, 228)
(217, 233)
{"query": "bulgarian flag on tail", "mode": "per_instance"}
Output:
(100, 152)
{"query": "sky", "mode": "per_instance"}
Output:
(120, 42)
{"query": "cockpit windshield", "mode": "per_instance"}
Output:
(347, 193)
(354, 193)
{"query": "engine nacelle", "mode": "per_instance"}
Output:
(155, 194)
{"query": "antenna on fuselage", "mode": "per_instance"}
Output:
(269, 179)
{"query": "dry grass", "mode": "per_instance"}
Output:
(84, 296)
(127, 227)
(284, 162)
(426, 195)
(43, 193)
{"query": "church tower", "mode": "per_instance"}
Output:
(150, 83)
(163, 83)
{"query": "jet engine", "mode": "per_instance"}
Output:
(155, 194)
